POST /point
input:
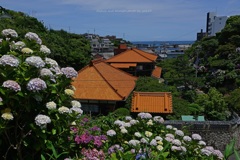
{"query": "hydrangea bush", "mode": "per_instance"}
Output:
(35, 99)
(143, 137)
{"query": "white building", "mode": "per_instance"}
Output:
(215, 23)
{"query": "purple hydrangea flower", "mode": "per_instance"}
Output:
(13, 85)
(35, 61)
(33, 36)
(36, 84)
(115, 148)
(9, 60)
(69, 72)
(9, 32)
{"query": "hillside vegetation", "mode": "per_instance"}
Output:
(68, 49)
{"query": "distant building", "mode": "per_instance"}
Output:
(200, 35)
(215, 23)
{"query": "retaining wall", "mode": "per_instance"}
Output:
(215, 133)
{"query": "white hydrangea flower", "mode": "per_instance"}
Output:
(143, 115)
(128, 118)
(42, 120)
(45, 49)
(138, 134)
(133, 121)
(206, 152)
(63, 110)
(176, 148)
(150, 122)
(187, 138)
(148, 134)
(9, 60)
(123, 130)
(196, 137)
(176, 142)
(51, 62)
(46, 72)
(144, 140)
(169, 127)
(159, 147)
(202, 143)
(111, 133)
(51, 105)
(134, 142)
(76, 110)
(183, 148)
(9, 32)
(179, 133)
(69, 92)
(17, 46)
(33, 36)
(75, 103)
(170, 135)
(56, 70)
(35, 61)
(158, 138)
(119, 123)
(158, 119)
(127, 124)
(27, 50)
(7, 116)
(153, 142)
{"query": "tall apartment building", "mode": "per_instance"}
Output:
(215, 23)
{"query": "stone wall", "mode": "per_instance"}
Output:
(215, 133)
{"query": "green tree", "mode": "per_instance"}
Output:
(215, 107)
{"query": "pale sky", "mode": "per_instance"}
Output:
(133, 20)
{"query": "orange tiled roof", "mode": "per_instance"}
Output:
(152, 102)
(123, 65)
(157, 72)
(133, 56)
(101, 81)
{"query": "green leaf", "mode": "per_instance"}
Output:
(53, 131)
(237, 156)
(42, 157)
(229, 149)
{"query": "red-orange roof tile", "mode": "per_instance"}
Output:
(101, 81)
(152, 102)
(157, 72)
(133, 56)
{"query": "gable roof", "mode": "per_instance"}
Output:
(157, 72)
(101, 81)
(133, 55)
(152, 102)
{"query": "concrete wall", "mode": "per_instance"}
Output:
(215, 133)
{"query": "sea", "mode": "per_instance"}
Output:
(165, 49)
(161, 43)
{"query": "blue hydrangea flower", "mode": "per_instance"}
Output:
(69, 72)
(36, 84)
(35, 61)
(9, 60)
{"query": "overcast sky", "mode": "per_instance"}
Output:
(133, 20)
